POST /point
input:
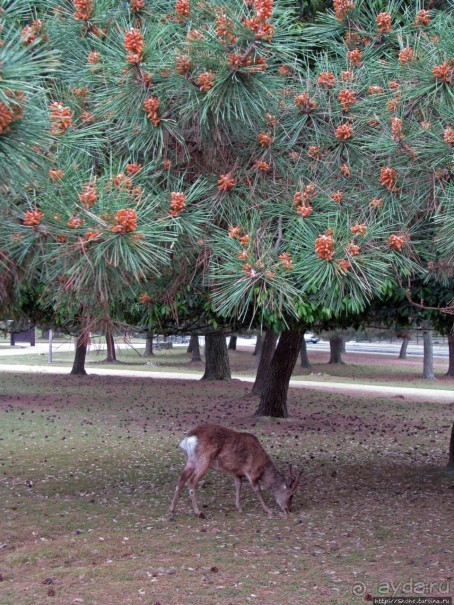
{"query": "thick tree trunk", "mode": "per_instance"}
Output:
(149, 345)
(304, 359)
(450, 371)
(268, 348)
(79, 357)
(217, 366)
(191, 344)
(258, 345)
(403, 348)
(195, 348)
(111, 353)
(232, 343)
(335, 347)
(428, 365)
(451, 449)
(273, 401)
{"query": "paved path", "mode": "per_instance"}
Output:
(442, 396)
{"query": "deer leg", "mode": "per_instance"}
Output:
(185, 475)
(193, 480)
(256, 488)
(238, 481)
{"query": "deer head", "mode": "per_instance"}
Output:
(285, 492)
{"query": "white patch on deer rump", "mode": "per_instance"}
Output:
(188, 445)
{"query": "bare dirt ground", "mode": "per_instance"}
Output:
(88, 466)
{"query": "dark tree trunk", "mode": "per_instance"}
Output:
(79, 357)
(191, 344)
(217, 366)
(451, 449)
(450, 371)
(428, 364)
(268, 348)
(403, 348)
(149, 345)
(258, 345)
(111, 353)
(335, 347)
(232, 343)
(195, 348)
(273, 401)
(304, 359)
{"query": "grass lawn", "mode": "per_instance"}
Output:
(365, 368)
(88, 466)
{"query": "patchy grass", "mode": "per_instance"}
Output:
(88, 466)
(360, 368)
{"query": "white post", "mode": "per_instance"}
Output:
(49, 357)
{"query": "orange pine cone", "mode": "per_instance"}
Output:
(397, 241)
(344, 131)
(358, 229)
(84, 9)
(388, 178)
(33, 218)
(305, 102)
(226, 182)
(56, 174)
(324, 247)
(206, 80)
(347, 98)
(137, 5)
(326, 79)
(151, 106)
(443, 72)
(60, 118)
(384, 22)
(406, 55)
(341, 7)
(126, 219)
(265, 139)
(133, 168)
(177, 203)
(89, 195)
(354, 57)
(423, 18)
(286, 260)
(448, 136)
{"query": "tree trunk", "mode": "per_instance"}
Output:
(268, 348)
(232, 343)
(111, 354)
(258, 345)
(79, 357)
(305, 363)
(191, 344)
(149, 345)
(451, 449)
(217, 366)
(344, 345)
(403, 348)
(273, 401)
(335, 347)
(195, 348)
(450, 371)
(428, 367)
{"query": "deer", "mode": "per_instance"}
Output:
(211, 446)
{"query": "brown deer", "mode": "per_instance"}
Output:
(213, 446)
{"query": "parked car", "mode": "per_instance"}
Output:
(311, 338)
